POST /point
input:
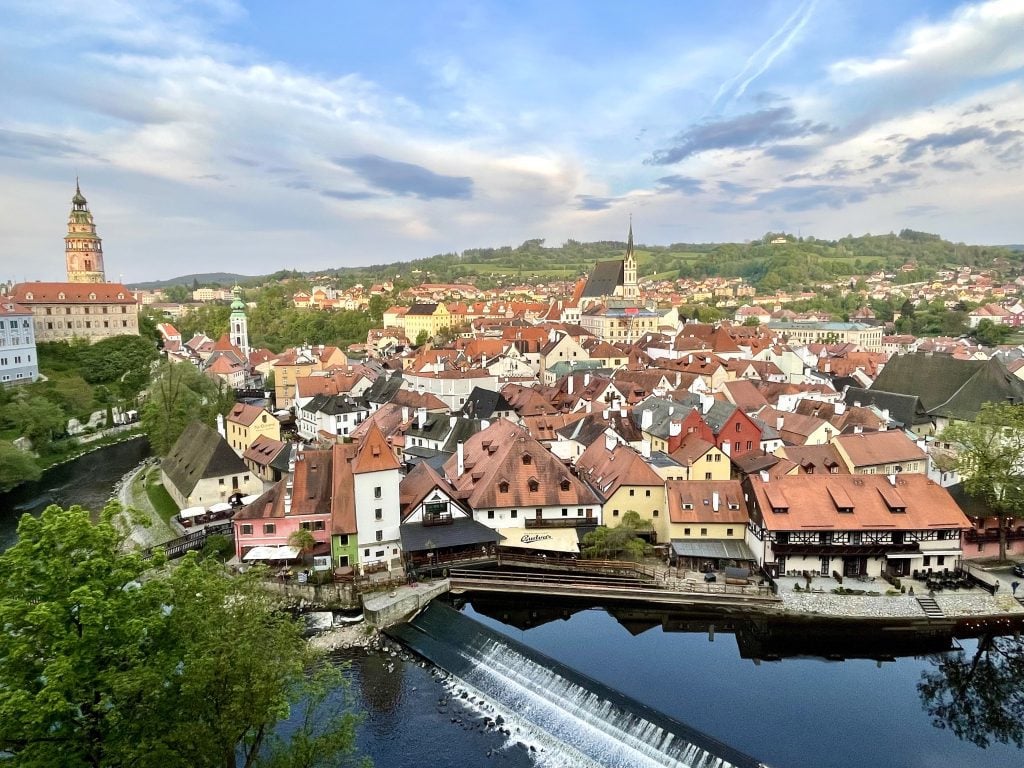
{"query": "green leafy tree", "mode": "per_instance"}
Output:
(110, 659)
(991, 461)
(621, 541)
(991, 334)
(16, 466)
(980, 697)
(376, 309)
(38, 419)
(180, 393)
(422, 338)
(302, 540)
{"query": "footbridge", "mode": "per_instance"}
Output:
(610, 581)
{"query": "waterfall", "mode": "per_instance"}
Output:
(590, 719)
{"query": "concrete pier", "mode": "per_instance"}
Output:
(383, 609)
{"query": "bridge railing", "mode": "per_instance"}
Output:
(191, 541)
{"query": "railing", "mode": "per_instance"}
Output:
(974, 536)
(560, 522)
(177, 547)
(444, 518)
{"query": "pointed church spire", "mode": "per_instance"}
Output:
(629, 241)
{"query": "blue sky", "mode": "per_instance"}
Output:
(248, 137)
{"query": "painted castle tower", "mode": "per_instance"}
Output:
(83, 248)
(239, 323)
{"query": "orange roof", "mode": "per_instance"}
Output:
(866, 449)
(610, 470)
(241, 413)
(343, 490)
(694, 501)
(374, 454)
(810, 506)
(72, 293)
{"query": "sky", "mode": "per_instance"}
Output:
(215, 135)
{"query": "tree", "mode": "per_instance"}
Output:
(180, 393)
(604, 542)
(422, 338)
(991, 334)
(378, 305)
(991, 461)
(16, 466)
(110, 659)
(302, 540)
(37, 419)
(979, 698)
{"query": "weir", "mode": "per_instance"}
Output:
(592, 719)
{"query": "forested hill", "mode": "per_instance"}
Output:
(798, 261)
(794, 263)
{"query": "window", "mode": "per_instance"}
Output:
(527, 458)
(927, 560)
(647, 493)
(269, 528)
(343, 540)
(707, 475)
(503, 486)
(534, 485)
(366, 553)
(318, 525)
(376, 492)
(306, 526)
(565, 485)
(686, 531)
(565, 513)
(824, 566)
(514, 514)
(247, 529)
(221, 481)
(490, 514)
(940, 559)
(379, 535)
(615, 513)
(718, 457)
(750, 444)
(654, 513)
(703, 531)
(378, 514)
(736, 446)
(632, 492)
(708, 457)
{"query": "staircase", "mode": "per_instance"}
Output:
(930, 607)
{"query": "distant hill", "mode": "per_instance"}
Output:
(1016, 248)
(207, 278)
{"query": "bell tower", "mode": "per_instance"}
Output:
(630, 290)
(83, 248)
(238, 323)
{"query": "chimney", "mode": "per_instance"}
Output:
(622, 411)
(484, 424)
(840, 409)
(568, 384)
(421, 417)
(405, 413)
(288, 497)
(765, 477)
(892, 480)
(714, 501)
(609, 441)
(645, 449)
(452, 421)
(780, 422)
(220, 426)
(857, 429)
(586, 379)
(675, 428)
(689, 359)
(460, 459)
(646, 419)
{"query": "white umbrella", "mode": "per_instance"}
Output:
(192, 512)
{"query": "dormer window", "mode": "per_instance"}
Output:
(503, 486)
(527, 459)
(92, 297)
(564, 484)
(534, 485)
(28, 296)
(59, 296)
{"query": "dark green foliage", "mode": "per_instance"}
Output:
(979, 698)
(620, 541)
(178, 394)
(16, 466)
(108, 659)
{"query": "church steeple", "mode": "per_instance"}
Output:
(630, 290)
(238, 323)
(83, 248)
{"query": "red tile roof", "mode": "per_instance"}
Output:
(73, 293)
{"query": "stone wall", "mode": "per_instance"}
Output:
(387, 608)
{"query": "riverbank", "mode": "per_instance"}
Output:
(146, 528)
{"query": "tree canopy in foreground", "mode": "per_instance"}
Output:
(109, 659)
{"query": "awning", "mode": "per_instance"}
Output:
(541, 539)
(713, 549)
(221, 506)
(272, 553)
(246, 500)
(192, 512)
(924, 552)
(461, 532)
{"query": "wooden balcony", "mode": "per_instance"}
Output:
(441, 518)
(560, 522)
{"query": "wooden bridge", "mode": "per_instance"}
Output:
(608, 580)
(191, 541)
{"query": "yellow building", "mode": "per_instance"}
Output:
(244, 423)
(93, 311)
(625, 483)
(701, 460)
(302, 361)
(429, 318)
(707, 524)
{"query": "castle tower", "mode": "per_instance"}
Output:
(83, 248)
(238, 324)
(630, 290)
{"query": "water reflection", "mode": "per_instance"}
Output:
(978, 696)
(381, 681)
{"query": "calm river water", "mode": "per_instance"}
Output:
(799, 712)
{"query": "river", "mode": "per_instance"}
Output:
(770, 694)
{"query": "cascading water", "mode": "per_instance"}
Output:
(588, 718)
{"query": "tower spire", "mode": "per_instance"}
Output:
(83, 248)
(629, 240)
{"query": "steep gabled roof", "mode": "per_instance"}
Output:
(604, 279)
(706, 501)
(200, 453)
(374, 454)
(482, 403)
(607, 471)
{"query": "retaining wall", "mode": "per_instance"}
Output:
(384, 609)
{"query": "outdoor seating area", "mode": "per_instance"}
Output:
(937, 581)
(198, 516)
